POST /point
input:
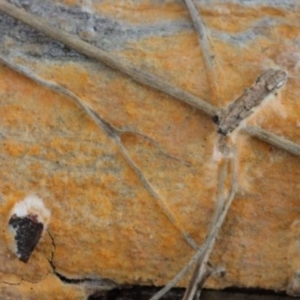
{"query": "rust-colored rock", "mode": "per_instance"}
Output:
(104, 221)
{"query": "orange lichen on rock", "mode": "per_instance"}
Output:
(141, 11)
(106, 221)
(48, 288)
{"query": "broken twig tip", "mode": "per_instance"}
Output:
(267, 83)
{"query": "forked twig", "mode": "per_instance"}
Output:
(200, 273)
(155, 143)
(209, 240)
(227, 120)
(201, 257)
(194, 282)
(138, 75)
(155, 195)
(114, 133)
(209, 271)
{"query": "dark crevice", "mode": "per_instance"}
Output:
(146, 292)
(60, 276)
(254, 291)
(101, 283)
(10, 283)
(71, 280)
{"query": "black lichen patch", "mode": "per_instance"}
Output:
(28, 233)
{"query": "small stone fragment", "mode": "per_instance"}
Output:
(28, 220)
(27, 235)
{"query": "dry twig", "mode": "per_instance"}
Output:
(209, 241)
(230, 118)
(273, 139)
(203, 40)
(140, 76)
(222, 208)
(115, 134)
(201, 257)
(93, 52)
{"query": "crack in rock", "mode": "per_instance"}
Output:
(92, 285)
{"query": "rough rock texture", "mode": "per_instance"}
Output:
(104, 222)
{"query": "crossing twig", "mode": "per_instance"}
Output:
(208, 243)
(138, 75)
(114, 133)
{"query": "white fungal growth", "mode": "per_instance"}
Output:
(34, 206)
(217, 154)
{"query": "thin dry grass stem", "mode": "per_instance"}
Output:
(194, 282)
(209, 272)
(273, 139)
(222, 208)
(202, 271)
(154, 193)
(180, 274)
(203, 40)
(210, 238)
(138, 75)
(201, 265)
(113, 133)
(220, 199)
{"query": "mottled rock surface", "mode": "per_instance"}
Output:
(104, 222)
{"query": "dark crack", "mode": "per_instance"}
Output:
(95, 284)
(10, 283)
(236, 293)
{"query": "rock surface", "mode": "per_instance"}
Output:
(104, 221)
